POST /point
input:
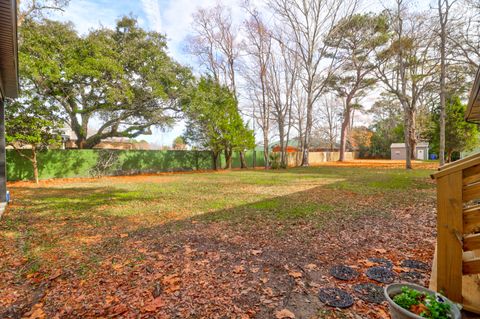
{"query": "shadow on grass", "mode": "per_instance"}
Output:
(55, 214)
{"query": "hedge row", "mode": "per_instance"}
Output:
(86, 163)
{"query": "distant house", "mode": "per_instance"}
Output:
(117, 143)
(289, 149)
(113, 143)
(398, 152)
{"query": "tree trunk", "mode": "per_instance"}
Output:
(443, 16)
(215, 160)
(281, 133)
(308, 129)
(81, 143)
(408, 150)
(265, 151)
(305, 156)
(299, 154)
(344, 132)
(35, 165)
(243, 162)
(228, 158)
(412, 134)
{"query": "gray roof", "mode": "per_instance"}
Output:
(402, 145)
(8, 49)
(473, 108)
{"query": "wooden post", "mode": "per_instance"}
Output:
(450, 230)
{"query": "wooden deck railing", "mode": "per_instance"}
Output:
(457, 258)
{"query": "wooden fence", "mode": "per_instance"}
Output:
(456, 269)
(315, 158)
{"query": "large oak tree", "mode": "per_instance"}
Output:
(123, 79)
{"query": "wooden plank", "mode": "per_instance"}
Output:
(458, 166)
(471, 267)
(449, 224)
(471, 293)
(471, 286)
(433, 275)
(469, 306)
(471, 192)
(471, 242)
(471, 220)
(471, 175)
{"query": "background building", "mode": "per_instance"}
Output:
(398, 151)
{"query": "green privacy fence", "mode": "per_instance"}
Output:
(86, 163)
(253, 159)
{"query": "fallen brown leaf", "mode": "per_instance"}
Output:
(37, 312)
(171, 283)
(284, 313)
(238, 269)
(311, 267)
(118, 310)
(400, 269)
(154, 305)
(256, 252)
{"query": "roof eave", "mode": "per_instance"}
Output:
(473, 108)
(8, 49)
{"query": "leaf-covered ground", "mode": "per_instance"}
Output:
(239, 244)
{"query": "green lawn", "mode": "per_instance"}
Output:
(79, 230)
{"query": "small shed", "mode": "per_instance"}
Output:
(398, 151)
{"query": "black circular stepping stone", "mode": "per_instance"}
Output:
(381, 274)
(343, 272)
(414, 264)
(369, 292)
(411, 276)
(384, 262)
(335, 297)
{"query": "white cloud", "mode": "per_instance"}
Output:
(152, 12)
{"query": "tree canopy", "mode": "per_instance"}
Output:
(459, 135)
(30, 124)
(213, 120)
(122, 78)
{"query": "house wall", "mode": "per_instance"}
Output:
(3, 174)
(398, 153)
(425, 153)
